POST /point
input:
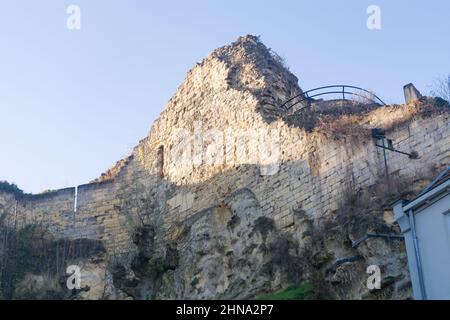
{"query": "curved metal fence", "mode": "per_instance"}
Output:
(344, 90)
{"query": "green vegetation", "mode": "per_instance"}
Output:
(11, 188)
(31, 250)
(302, 291)
(441, 103)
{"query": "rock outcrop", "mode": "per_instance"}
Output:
(233, 196)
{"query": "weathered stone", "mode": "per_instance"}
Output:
(203, 207)
(411, 93)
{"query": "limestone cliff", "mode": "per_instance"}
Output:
(233, 196)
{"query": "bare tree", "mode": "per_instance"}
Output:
(441, 88)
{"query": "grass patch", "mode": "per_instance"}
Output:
(302, 291)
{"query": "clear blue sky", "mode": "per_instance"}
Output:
(74, 102)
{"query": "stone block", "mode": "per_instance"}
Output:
(411, 93)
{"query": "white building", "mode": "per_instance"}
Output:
(425, 223)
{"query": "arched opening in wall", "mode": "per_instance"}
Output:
(160, 161)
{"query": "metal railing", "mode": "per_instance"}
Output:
(344, 89)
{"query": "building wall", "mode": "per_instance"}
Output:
(433, 232)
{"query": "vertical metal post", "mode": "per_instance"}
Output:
(412, 225)
(386, 165)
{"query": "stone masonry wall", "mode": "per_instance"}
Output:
(238, 87)
(297, 185)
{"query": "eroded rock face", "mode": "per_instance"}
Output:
(342, 270)
(344, 250)
(233, 251)
(35, 265)
(227, 252)
(53, 285)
